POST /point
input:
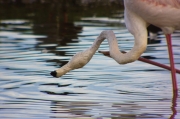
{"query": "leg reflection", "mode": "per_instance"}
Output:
(174, 104)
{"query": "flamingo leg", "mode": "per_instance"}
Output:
(173, 70)
(106, 53)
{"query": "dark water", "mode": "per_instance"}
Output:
(35, 41)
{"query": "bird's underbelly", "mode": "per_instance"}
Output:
(164, 16)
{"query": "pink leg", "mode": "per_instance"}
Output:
(106, 53)
(173, 70)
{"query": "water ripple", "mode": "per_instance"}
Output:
(101, 89)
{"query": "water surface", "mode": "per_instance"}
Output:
(31, 47)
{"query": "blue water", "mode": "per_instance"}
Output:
(102, 89)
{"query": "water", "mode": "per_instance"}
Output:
(30, 48)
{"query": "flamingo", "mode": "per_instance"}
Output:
(139, 14)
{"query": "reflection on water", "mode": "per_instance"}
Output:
(31, 47)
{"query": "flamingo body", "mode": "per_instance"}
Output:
(164, 14)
